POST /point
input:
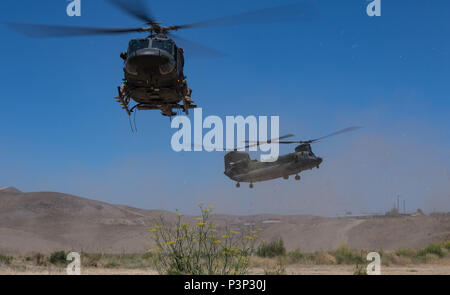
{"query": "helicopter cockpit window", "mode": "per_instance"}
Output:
(137, 44)
(166, 45)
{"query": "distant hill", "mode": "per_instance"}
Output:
(10, 189)
(47, 221)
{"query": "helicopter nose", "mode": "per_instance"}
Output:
(319, 161)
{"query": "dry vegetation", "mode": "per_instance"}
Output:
(200, 248)
(433, 259)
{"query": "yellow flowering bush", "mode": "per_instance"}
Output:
(199, 247)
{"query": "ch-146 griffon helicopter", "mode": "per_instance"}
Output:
(154, 65)
(240, 168)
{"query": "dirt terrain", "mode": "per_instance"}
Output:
(421, 269)
(45, 222)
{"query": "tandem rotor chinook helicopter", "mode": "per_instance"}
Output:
(153, 65)
(240, 168)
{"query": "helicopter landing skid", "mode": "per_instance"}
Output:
(166, 109)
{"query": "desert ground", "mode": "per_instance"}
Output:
(44, 222)
(419, 269)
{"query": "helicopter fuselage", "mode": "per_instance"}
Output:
(240, 168)
(154, 76)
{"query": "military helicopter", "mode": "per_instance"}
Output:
(154, 65)
(240, 168)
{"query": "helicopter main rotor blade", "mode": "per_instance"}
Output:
(45, 31)
(193, 49)
(290, 142)
(273, 140)
(321, 138)
(135, 8)
(349, 129)
(290, 12)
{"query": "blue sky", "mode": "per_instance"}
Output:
(62, 131)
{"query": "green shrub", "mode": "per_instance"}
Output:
(433, 248)
(297, 256)
(147, 256)
(134, 261)
(128, 261)
(430, 258)
(58, 258)
(5, 260)
(198, 248)
(360, 270)
(447, 245)
(91, 260)
(272, 249)
(406, 252)
(112, 264)
(345, 255)
(318, 257)
(38, 259)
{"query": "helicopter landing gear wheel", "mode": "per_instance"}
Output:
(286, 177)
(251, 185)
(238, 185)
(297, 177)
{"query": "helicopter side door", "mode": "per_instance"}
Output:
(180, 61)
